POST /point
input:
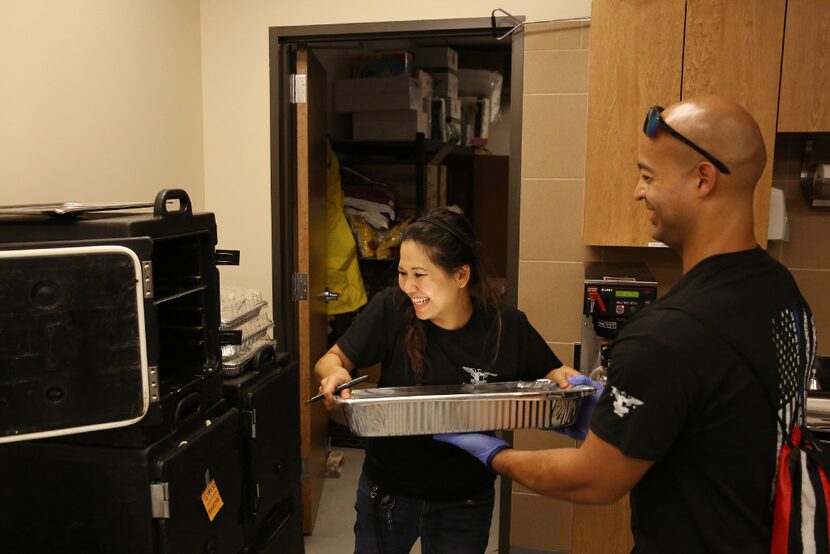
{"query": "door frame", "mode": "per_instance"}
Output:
(282, 42)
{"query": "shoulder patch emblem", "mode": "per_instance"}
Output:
(623, 403)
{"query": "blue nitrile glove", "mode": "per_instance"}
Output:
(579, 429)
(480, 445)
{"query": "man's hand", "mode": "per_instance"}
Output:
(579, 429)
(480, 445)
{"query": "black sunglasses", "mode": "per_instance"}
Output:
(654, 122)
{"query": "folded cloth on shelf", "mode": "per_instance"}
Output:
(374, 218)
(357, 185)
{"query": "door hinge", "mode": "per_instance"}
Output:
(299, 286)
(147, 278)
(160, 500)
(297, 88)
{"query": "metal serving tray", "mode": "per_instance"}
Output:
(424, 410)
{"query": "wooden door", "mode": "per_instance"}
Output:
(804, 105)
(635, 60)
(733, 49)
(311, 260)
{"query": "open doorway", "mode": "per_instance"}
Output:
(421, 157)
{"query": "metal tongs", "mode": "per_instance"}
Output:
(346, 385)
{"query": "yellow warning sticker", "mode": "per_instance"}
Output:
(211, 499)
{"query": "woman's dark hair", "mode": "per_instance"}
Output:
(449, 242)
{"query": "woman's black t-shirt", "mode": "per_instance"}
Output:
(419, 465)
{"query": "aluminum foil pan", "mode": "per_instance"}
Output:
(252, 330)
(238, 305)
(398, 411)
(236, 364)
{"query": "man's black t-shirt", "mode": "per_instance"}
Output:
(678, 393)
(421, 466)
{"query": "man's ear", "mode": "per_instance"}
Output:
(462, 276)
(707, 179)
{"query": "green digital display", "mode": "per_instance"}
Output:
(627, 294)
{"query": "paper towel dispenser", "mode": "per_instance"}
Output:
(815, 184)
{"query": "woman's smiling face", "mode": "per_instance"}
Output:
(435, 294)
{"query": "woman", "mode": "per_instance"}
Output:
(441, 325)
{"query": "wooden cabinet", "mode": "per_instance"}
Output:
(733, 49)
(804, 105)
(635, 60)
(605, 529)
(639, 57)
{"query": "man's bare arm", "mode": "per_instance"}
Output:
(595, 473)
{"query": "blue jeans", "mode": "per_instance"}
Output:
(389, 524)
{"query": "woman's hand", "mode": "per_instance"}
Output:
(560, 376)
(337, 376)
(333, 370)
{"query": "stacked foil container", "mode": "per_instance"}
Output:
(241, 310)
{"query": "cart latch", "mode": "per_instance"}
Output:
(153, 382)
(160, 500)
(227, 257)
(249, 418)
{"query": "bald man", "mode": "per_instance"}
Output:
(687, 420)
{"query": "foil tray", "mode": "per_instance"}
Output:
(424, 410)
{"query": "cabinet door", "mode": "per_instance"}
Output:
(805, 82)
(733, 49)
(635, 61)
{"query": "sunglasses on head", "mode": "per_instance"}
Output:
(654, 122)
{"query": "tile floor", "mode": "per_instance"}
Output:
(333, 530)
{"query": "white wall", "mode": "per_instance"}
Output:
(100, 100)
(236, 101)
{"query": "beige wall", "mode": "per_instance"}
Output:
(100, 100)
(550, 250)
(236, 102)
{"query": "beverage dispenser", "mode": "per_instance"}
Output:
(613, 293)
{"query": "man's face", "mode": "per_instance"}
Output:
(663, 188)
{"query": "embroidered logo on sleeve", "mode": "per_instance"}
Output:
(623, 403)
(478, 375)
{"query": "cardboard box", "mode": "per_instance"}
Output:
(382, 64)
(444, 83)
(440, 57)
(453, 108)
(383, 93)
(424, 83)
(390, 124)
(377, 93)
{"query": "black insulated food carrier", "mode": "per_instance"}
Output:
(180, 495)
(268, 402)
(105, 313)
